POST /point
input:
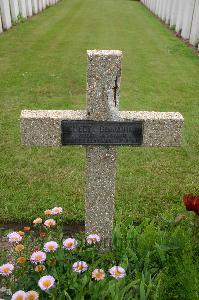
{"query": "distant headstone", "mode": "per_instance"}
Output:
(194, 35)
(102, 127)
(160, 8)
(174, 13)
(14, 8)
(168, 12)
(44, 4)
(1, 28)
(154, 6)
(22, 8)
(40, 5)
(29, 8)
(35, 6)
(157, 7)
(5, 14)
(180, 15)
(164, 9)
(188, 17)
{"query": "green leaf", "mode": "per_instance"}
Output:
(67, 295)
(142, 291)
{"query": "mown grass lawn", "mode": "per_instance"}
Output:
(43, 66)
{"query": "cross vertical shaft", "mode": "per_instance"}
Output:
(103, 87)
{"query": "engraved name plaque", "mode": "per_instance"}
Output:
(86, 132)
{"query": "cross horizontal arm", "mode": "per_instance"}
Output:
(43, 127)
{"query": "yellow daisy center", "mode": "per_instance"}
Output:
(19, 297)
(46, 283)
(80, 267)
(6, 269)
(38, 257)
(69, 244)
(117, 272)
(51, 247)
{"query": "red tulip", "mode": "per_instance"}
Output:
(191, 202)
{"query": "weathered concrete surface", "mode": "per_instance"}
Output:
(103, 87)
(43, 127)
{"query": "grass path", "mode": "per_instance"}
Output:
(43, 66)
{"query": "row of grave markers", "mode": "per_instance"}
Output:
(11, 11)
(183, 15)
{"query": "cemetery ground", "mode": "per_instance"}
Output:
(43, 66)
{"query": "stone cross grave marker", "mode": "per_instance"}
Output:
(101, 127)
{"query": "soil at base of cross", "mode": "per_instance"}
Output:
(69, 230)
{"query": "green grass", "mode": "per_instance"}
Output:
(43, 66)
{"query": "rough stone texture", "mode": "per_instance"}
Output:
(43, 127)
(100, 190)
(160, 129)
(103, 85)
